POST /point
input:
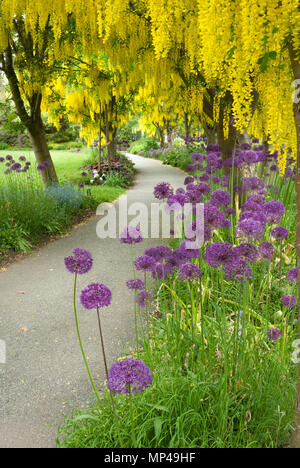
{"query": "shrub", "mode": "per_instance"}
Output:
(115, 179)
(144, 144)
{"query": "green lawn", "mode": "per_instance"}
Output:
(68, 166)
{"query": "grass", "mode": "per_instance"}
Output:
(68, 166)
(28, 212)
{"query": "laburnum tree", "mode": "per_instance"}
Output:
(24, 59)
(94, 95)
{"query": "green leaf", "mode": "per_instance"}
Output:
(162, 408)
(231, 52)
(157, 427)
(273, 55)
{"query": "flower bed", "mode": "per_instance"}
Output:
(218, 332)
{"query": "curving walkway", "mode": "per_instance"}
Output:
(44, 377)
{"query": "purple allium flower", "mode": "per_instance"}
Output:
(247, 252)
(193, 196)
(175, 259)
(22, 158)
(274, 333)
(249, 157)
(189, 249)
(289, 300)
(189, 180)
(195, 230)
(163, 190)
(219, 254)
(251, 206)
(15, 166)
(189, 272)
(229, 211)
(84, 174)
(212, 162)
(159, 252)
(2, 160)
(96, 296)
(213, 217)
(237, 270)
(273, 211)
(280, 232)
(162, 271)
(237, 189)
(253, 183)
(220, 198)
(204, 178)
(257, 198)
(245, 146)
(175, 202)
(129, 376)
(144, 263)
(46, 164)
(131, 235)
(203, 188)
(9, 158)
(41, 167)
(180, 191)
(80, 262)
(143, 298)
(197, 157)
(256, 216)
(215, 180)
(190, 168)
(224, 180)
(190, 187)
(266, 251)
(135, 284)
(250, 229)
(292, 275)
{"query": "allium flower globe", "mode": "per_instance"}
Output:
(96, 296)
(131, 235)
(274, 333)
(189, 272)
(163, 191)
(289, 301)
(129, 376)
(80, 262)
(135, 284)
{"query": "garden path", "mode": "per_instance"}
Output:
(44, 377)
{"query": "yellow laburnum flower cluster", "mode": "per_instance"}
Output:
(236, 47)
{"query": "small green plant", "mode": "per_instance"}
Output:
(115, 179)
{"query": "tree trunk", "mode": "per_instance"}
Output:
(33, 121)
(19, 138)
(227, 144)
(296, 106)
(210, 133)
(42, 154)
(161, 132)
(187, 125)
(110, 133)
